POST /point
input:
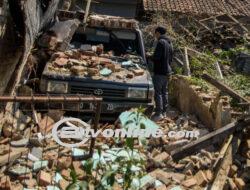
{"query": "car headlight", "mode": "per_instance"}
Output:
(43, 85)
(57, 87)
(137, 93)
(151, 93)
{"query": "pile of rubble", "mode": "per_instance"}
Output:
(239, 172)
(191, 172)
(94, 63)
(95, 20)
(112, 22)
(32, 158)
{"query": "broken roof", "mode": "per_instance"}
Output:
(207, 7)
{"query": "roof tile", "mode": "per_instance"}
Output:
(209, 7)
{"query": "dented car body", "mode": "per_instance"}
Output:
(100, 61)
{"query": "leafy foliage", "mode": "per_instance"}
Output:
(106, 174)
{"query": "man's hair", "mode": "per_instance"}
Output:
(161, 30)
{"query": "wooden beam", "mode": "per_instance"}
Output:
(225, 161)
(179, 61)
(187, 31)
(203, 25)
(224, 88)
(12, 156)
(208, 139)
(87, 12)
(236, 21)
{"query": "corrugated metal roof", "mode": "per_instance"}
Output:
(209, 7)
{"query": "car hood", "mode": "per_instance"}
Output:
(106, 70)
(144, 79)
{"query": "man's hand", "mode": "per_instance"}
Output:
(149, 55)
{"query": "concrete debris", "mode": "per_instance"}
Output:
(19, 170)
(38, 165)
(20, 143)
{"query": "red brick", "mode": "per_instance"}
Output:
(64, 162)
(119, 76)
(92, 71)
(30, 183)
(60, 62)
(78, 70)
(5, 183)
(161, 157)
(46, 124)
(130, 75)
(209, 175)
(110, 66)
(25, 177)
(7, 131)
(79, 170)
(118, 68)
(162, 187)
(232, 184)
(66, 174)
(63, 184)
(138, 72)
(239, 183)
(189, 182)
(4, 149)
(233, 169)
(162, 176)
(44, 178)
(201, 178)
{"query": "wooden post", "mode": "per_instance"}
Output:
(186, 63)
(217, 66)
(87, 12)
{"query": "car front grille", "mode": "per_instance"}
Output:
(104, 92)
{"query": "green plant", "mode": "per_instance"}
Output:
(239, 82)
(199, 82)
(75, 184)
(127, 163)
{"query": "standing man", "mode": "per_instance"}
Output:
(162, 59)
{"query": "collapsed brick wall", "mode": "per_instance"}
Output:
(185, 97)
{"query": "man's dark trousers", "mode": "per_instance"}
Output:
(161, 93)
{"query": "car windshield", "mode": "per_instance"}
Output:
(119, 41)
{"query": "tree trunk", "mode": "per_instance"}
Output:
(25, 19)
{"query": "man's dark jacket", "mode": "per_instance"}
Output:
(163, 56)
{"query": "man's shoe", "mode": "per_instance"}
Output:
(157, 117)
